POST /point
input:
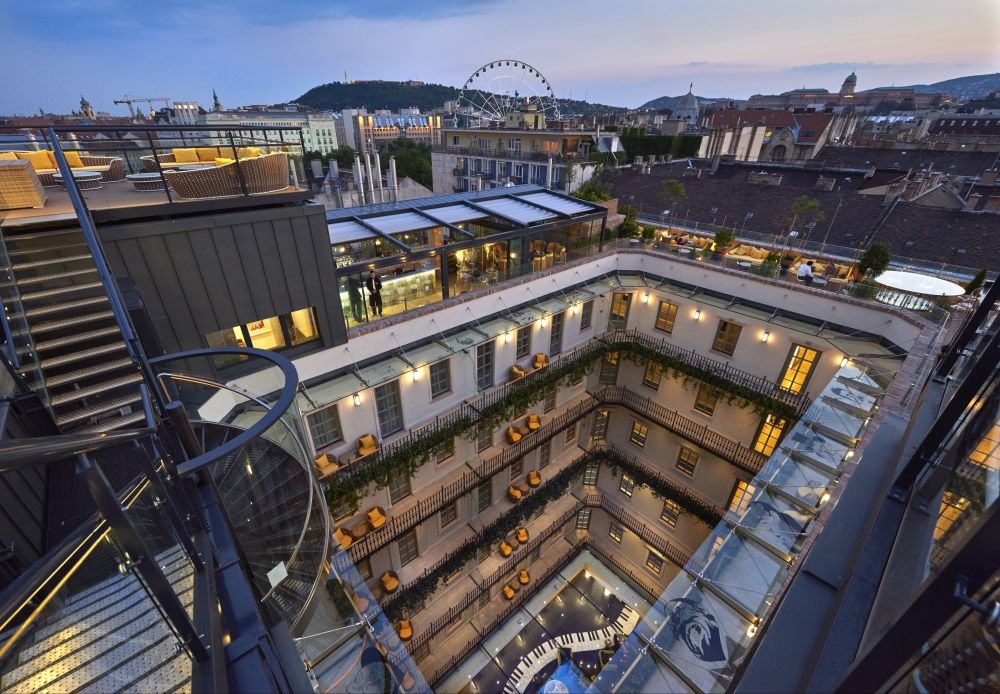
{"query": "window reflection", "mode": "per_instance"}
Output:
(272, 333)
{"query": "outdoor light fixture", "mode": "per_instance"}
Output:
(645, 298)
(415, 374)
(545, 321)
(697, 314)
(357, 399)
(844, 362)
(751, 630)
(764, 336)
(823, 499)
(506, 337)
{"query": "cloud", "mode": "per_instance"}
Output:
(824, 67)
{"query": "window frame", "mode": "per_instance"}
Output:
(314, 427)
(481, 437)
(683, 461)
(393, 387)
(701, 403)
(485, 366)
(591, 474)
(523, 335)
(790, 367)
(404, 540)
(670, 513)
(486, 487)
(653, 374)
(616, 531)
(546, 459)
(393, 485)
(599, 427)
(435, 376)
(655, 567)
(570, 433)
(765, 440)
(587, 315)
(626, 485)
(452, 509)
(668, 320)
(638, 434)
(583, 519)
(556, 330)
(744, 491)
(722, 339)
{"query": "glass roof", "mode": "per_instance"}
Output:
(527, 315)
(345, 232)
(428, 354)
(554, 305)
(497, 327)
(464, 340)
(556, 202)
(400, 221)
(453, 214)
(384, 370)
(331, 391)
(520, 212)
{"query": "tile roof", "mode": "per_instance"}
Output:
(951, 236)
(731, 118)
(966, 125)
(958, 163)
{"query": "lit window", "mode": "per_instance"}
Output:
(665, 317)
(627, 485)
(687, 460)
(583, 519)
(740, 499)
(670, 512)
(590, 474)
(769, 434)
(638, 436)
(600, 427)
(798, 367)
(726, 337)
(654, 562)
(615, 532)
(952, 508)
(620, 303)
(707, 399)
(652, 376)
(266, 333)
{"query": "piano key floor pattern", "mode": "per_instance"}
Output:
(536, 660)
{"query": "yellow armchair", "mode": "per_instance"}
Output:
(376, 518)
(367, 445)
(534, 422)
(541, 361)
(517, 372)
(508, 592)
(513, 493)
(534, 479)
(505, 549)
(522, 535)
(405, 630)
(342, 538)
(523, 577)
(390, 582)
(326, 464)
(513, 435)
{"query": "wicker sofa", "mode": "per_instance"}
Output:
(267, 173)
(185, 156)
(44, 163)
(19, 186)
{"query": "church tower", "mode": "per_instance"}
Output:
(86, 109)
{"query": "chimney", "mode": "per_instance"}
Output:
(548, 174)
(393, 179)
(359, 179)
(370, 188)
(378, 177)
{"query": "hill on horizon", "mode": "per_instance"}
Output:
(968, 87)
(387, 94)
(671, 102)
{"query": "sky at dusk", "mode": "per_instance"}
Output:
(619, 53)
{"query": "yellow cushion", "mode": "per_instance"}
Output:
(39, 160)
(8, 156)
(819, 267)
(219, 161)
(185, 155)
(367, 440)
(227, 152)
(73, 159)
(248, 152)
(207, 153)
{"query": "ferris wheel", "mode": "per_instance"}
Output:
(505, 86)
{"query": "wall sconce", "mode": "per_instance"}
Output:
(645, 298)
(513, 255)
(765, 336)
(575, 308)
(697, 314)
(506, 337)
(415, 374)
(357, 399)
(844, 362)
(751, 631)
(823, 499)
(545, 321)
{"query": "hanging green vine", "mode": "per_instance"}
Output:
(379, 470)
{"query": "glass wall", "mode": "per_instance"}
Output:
(400, 288)
(273, 333)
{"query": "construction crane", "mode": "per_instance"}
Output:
(129, 100)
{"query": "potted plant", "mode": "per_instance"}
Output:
(976, 282)
(787, 260)
(724, 239)
(874, 261)
(648, 232)
(769, 268)
(865, 289)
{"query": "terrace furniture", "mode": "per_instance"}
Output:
(146, 182)
(522, 535)
(541, 361)
(376, 518)
(523, 577)
(183, 156)
(513, 435)
(505, 549)
(405, 630)
(344, 539)
(534, 479)
(359, 530)
(326, 464)
(534, 422)
(367, 445)
(19, 186)
(390, 581)
(524, 489)
(508, 592)
(85, 180)
(267, 173)
(43, 161)
(517, 372)
(513, 493)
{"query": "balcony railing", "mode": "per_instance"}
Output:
(513, 154)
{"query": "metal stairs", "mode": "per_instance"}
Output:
(109, 637)
(90, 383)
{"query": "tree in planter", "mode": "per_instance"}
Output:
(593, 191)
(648, 232)
(875, 260)
(723, 240)
(629, 228)
(806, 209)
(672, 194)
(769, 268)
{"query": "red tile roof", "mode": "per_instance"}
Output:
(732, 118)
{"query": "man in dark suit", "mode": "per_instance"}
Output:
(374, 285)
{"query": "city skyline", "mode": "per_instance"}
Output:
(183, 54)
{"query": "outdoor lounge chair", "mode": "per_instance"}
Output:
(376, 518)
(513, 493)
(534, 479)
(390, 582)
(513, 435)
(343, 538)
(367, 445)
(534, 422)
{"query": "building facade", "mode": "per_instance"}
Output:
(318, 128)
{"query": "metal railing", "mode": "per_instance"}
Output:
(514, 154)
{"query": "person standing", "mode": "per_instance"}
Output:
(805, 272)
(354, 294)
(374, 286)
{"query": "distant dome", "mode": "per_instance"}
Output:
(687, 107)
(851, 79)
